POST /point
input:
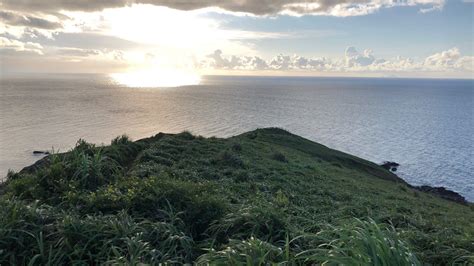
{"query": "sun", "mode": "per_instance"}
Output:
(157, 77)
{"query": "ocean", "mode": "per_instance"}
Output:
(426, 125)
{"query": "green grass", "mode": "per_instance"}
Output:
(261, 198)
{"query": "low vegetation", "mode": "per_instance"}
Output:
(261, 198)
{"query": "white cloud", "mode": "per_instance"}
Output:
(76, 52)
(446, 61)
(356, 59)
(466, 62)
(450, 60)
(281, 62)
(446, 58)
(7, 44)
(217, 61)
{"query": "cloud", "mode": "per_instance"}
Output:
(74, 53)
(466, 62)
(449, 59)
(16, 19)
(87, 41)
(7, 44)
(217, 61)
(446, 61)
(58, 5)
(443, 59)
(78, 52)
(354, 58)
(281, 62)
(256, 7)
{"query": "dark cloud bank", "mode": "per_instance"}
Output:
(257, 7)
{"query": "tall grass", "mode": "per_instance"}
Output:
(34, 235)
(365, 243)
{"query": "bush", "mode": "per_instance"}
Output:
(241, 176)
(12, 174)
(84, 168)
(186, 135)
(83, 146)
(121, 140)
(278, 156)
(229, 159)
(237, 147)
(23, 186)
(123, 150)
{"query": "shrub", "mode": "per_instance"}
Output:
(252, 135)
(229, 159)
(123, 150)
(11, 174)
(83, 146)
(121, 140)
(237, 147)
(84, 168)
(92, 171)
(241, 176)
(23, 186)
(186, 135)
(278, 156)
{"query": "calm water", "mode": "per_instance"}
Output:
(426, 125)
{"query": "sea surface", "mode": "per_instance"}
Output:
(426, 125)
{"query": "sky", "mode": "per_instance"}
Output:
(185, 38)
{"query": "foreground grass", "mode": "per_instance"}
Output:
(263, 197)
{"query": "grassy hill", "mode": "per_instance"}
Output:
(263, 197)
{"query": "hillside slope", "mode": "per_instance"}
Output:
(263, 196)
